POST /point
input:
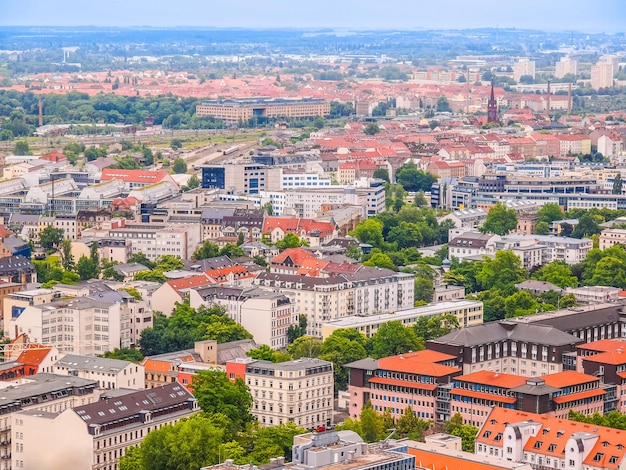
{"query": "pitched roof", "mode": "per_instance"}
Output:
(34, 354)
(421, 362)
(567, 378)
(189, 282)
(133, 176)
(496, 379)
(297, 255)
(557, 432)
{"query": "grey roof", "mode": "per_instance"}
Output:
(503, 330)
(129, 268)
(39, 385)
(13, 265)
(472, 240)
(576, 318)
(209, 263)
(234, 349)
(365, 364)
(538, 390)
(92, 363)
(116, 409)
(298, 364)
(13, 242)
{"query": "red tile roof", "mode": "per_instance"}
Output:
(484, 396)
(578, 396)
(134, 176)
(34, 354)
(567, 378)
(420, 362)
(403, 383)
(496, 379)
(189, 282)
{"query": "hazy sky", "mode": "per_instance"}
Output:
(579, 15)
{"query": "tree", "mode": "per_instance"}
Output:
(467, 433)
(240, 239)
(232, 251)
(179, 167)
(432, 328)
(290, 240)
(305, 346)
(520, 304)
(380, 260)
(369, 231)
(193, 182)
(420, 199)
(217, 394)
(587, 226)
(65, 252)
(86, 268)
(342, 347)
(393, 338)
(296, 331)
(269, 208)
(265, 353)
(442, 105)
(176, 144)
(207, 250)
(501, 272)
(371, 129)
(50, 237)
(151, 276)
(500, 220)
(125, 354)
(21, 148)
(558, 273)
(542, 228)
(381, 173)
(142, 259)
(371, 424)
(617, 184)
(423, 288)
(413, 179)
(550, 212)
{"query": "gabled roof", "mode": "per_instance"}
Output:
(297, 255)
(496, 379)
(424, 362)
(554, 434)
(133, 176)
(189, 282)
(567, 378)
(34, 354)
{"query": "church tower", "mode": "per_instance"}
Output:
(492, 107)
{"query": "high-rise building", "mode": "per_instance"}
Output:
(566, 66)
(523, 67)
(602, 75)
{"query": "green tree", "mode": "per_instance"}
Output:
(413, 179)
(550, 212)
(240, 239)
(193, 182)
(232, 251)
(86, 268)
(617, 184)
(381, 173)
(142, 259)
(176, 144)
(216, 393)
(342, 347)
(125, 354)
(501, 272)
(467, 433)
(305, 346)
(423, 288)
(265, 353)
(369, 231)
(380, 260)
(50, 237)
(371, 424)
(442, 105)
(432, 328)
(542, 228)
(152, 276)
(520, 304)
(558, 273)
(410, 426)
(65, 252)
(500, 220)
(296, 331)
(290, 240)
(587, 225)
(207, 250)
(179, 167)
(371, 129)
(393, 338)
(21, 148)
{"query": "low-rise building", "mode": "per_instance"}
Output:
(111, 374)
(594, 294)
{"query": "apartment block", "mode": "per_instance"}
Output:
(566, 66)
(523, 67)
(299, 391)
(178, 240)
(242, 110)
(96, 435)
(111, 374)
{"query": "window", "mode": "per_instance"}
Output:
(598, 457)
(538, 445)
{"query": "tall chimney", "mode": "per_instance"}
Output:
(40, 111)
(569, 99)
(548, 103)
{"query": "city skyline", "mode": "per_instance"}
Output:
(559, 15)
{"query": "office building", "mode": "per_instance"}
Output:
(243, 110)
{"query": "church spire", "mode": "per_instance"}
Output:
(492, 107)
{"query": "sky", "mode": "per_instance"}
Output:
(552, 15)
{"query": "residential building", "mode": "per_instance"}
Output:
(594, 294)
(467, 312)
(98, 434)
(41, 393)
(178, 240)
(566, 66)
(111, 374)
(472, 244)
(299, 391)
(446, 292)
(549, 442)
(612, 236)
(522, 68)
(602, 75)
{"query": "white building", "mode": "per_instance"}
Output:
(299, 391)
(110, 374)
(179, 240)
(523, 67)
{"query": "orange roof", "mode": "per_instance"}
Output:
(484, 396)
(417, 363)
(402, 383)
(611, 442)
(297, 255)
(438, 461)
(609, 357)
(34, 354)
(579, 396)
(237, 270)
(133, 176)
(603, 345)
(153, 365)
(567, 378)
(189, 282)
(496, 379)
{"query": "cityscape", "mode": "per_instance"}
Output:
(368, 237)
